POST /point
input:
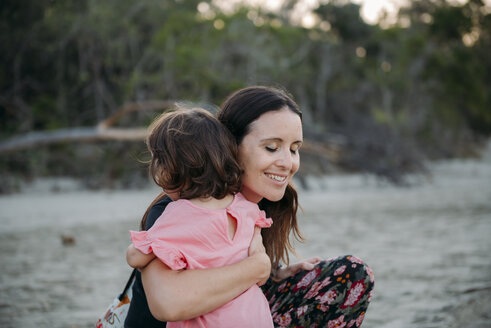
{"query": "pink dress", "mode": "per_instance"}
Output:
(187, 236)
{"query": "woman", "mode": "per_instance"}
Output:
(267, 126)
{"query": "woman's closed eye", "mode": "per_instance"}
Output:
(272, 147)
(294, 148)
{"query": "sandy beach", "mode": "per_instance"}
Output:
(429, 246)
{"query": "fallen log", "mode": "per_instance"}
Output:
(103, 132)
(91, 134)
(80, 134)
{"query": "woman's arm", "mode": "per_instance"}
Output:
(286, 272)
(137, 259)
(185, 294)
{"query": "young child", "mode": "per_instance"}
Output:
(209, 223)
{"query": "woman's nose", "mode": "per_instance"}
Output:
(285, 160)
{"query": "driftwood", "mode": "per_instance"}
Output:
(90, 134)
(103, 131)
(34, 139)
(329, 151)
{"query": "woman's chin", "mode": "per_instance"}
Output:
(273, 194)
(275, 197)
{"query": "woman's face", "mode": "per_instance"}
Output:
(268, 154)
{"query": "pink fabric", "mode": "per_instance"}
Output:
(187, 236)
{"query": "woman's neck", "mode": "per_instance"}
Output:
(250, 195)
(213, 203)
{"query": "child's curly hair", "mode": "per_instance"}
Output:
(194, 154)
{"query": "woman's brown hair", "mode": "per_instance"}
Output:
(194, 154)
(237, 113)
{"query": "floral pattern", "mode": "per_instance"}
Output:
(336, 293)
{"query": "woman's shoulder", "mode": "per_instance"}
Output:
(156, 211)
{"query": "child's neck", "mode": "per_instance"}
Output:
(213, 203)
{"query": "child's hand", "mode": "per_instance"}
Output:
(137, 259)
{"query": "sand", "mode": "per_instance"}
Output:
(429, 246)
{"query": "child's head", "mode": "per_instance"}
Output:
(193, 154)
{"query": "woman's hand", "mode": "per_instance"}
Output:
(292, 269)
(256, 246)
(256, 249)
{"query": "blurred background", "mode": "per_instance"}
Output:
(396, 97)
(384, 85)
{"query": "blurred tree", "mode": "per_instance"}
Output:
(390, 96)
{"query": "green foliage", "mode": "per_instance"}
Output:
(72, 63)
(345, 20)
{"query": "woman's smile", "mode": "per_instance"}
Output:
(275, 177)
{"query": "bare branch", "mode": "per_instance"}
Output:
(329, 151)
(86, 134)
(103, 131)
(152, 105)
(81, 134)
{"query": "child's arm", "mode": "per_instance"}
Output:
(137, 259)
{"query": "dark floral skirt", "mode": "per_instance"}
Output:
(336, 293)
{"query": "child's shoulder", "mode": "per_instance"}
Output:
(177, 204)
(241, 200)
(241, 203)
(179, 211)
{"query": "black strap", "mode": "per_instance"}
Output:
(128, 284)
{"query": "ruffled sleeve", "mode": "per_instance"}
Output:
(263, 221)
(140, 241)
(165, 251)
(252, 211)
